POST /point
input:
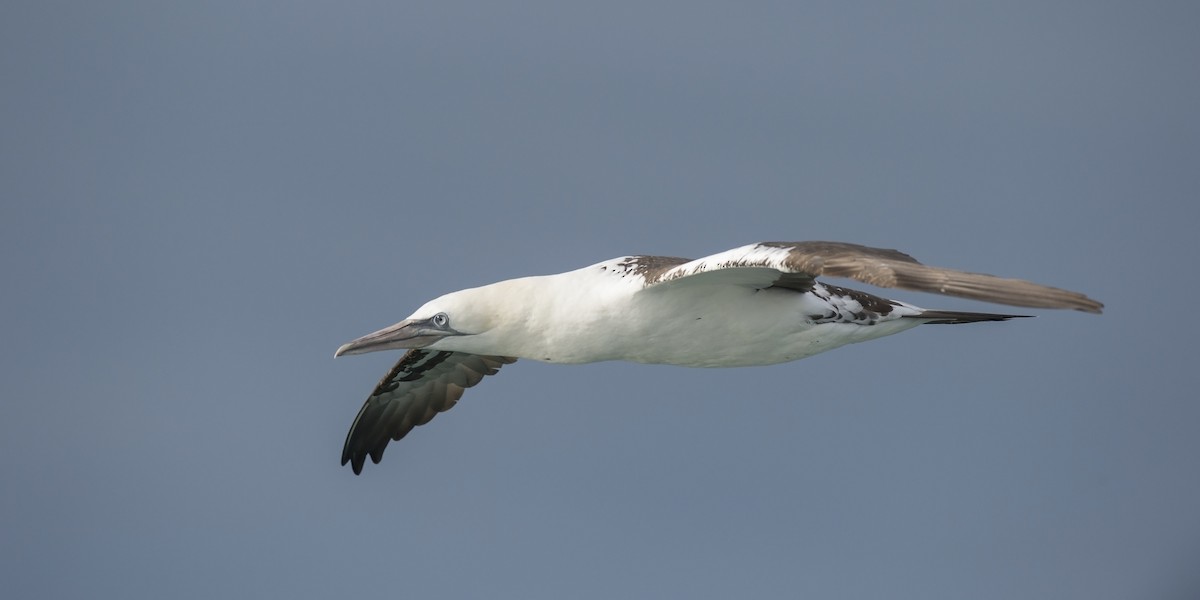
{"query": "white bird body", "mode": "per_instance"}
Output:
(583, 316)
(755, 305)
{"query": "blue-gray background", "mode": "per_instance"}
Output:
(201, 201)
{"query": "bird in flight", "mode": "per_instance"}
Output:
(759, 304)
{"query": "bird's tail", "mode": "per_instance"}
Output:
(954, 317)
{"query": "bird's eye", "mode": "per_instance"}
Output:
(441, 320)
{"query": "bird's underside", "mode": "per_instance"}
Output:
(432, 375)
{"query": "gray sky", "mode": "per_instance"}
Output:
(201, 201)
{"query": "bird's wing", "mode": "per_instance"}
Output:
(422, 384)
(794, 265)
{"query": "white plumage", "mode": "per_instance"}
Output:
(755, 305)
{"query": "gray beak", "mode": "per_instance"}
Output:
(403, 335)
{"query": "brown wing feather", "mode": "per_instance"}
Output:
(422, 384)
(795, 265)
(895, 269)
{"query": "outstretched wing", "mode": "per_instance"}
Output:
(794, 265)
(422, 384)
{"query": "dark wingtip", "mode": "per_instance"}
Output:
(356, 462)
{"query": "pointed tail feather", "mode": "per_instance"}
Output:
(954, 317)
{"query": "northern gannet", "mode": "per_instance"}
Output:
(755, 305)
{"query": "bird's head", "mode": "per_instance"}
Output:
(444, 324)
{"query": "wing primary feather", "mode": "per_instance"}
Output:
(419, 386)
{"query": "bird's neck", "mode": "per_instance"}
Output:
(564, 318)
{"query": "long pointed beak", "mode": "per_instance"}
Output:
(405, 334)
